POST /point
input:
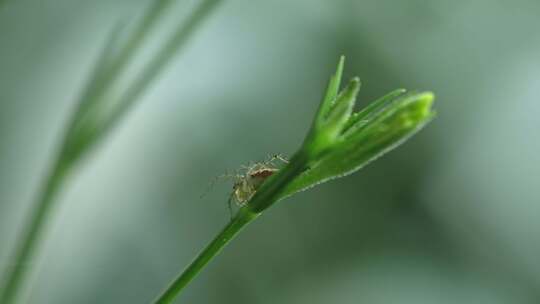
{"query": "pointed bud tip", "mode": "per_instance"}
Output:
(424, 103)
(354, 84)
(340, 67)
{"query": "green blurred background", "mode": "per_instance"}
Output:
(453, 216)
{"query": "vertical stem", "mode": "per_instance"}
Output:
(243, 217)
(117, 64)
(37, 220)
(72, 151)
(150, 71)
(32, 234)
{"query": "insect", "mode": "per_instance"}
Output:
(248, 179)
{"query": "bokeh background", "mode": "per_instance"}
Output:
(452, 216)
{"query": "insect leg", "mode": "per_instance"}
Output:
(229, 203)
(281, 158)
(213, 182)
(278, 156)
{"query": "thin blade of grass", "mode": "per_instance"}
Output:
(127, 52)
(73, 148)
(152, 69)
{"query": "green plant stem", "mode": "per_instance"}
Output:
(242, 218)
(118, 62)
(264, 198)
(109, 68)
(326, 153)
(31, 236)
(150, 71)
